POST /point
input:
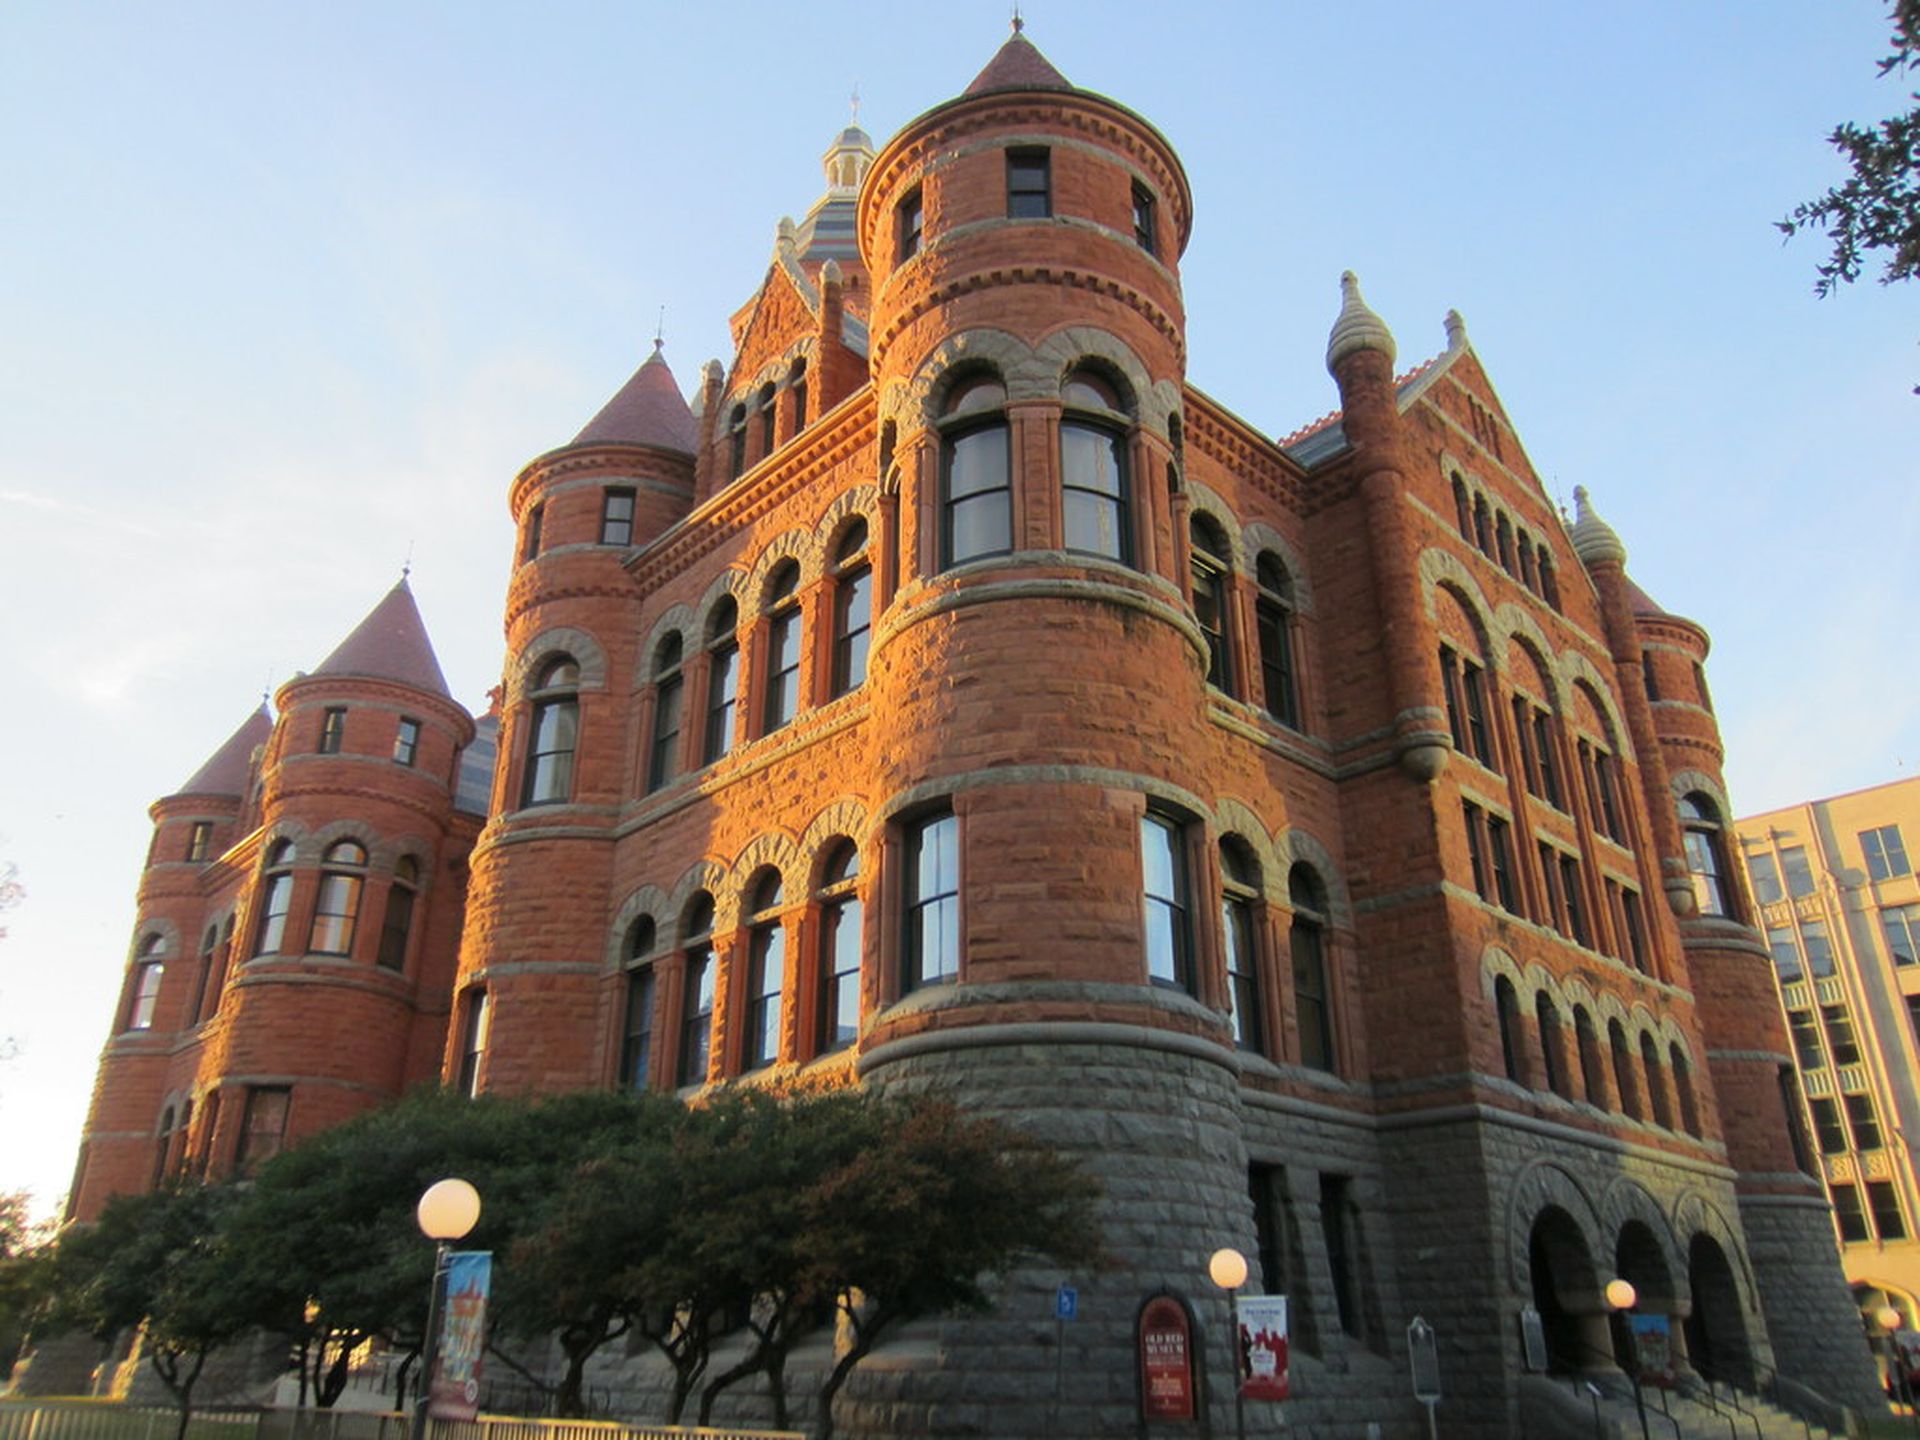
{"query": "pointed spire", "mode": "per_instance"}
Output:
(390, 644)
(648, 410)
(225, 772)
(1357, 327)
(1594, 541)
(1018, 65)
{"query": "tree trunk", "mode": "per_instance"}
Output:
(865, 1337)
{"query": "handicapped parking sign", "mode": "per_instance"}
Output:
(1066, 1303)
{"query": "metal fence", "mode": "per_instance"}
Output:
(110, 1420)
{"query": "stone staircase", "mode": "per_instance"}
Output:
(1601, 1407)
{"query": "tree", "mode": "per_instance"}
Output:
(25, 1253)
(1878, 207)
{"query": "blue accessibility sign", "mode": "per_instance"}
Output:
(1066, 1303)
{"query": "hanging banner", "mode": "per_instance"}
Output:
(1653, 1348)
(456, 1374)
(1165, 1341)
(1263, 1347)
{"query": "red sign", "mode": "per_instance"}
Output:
(1166, 1360)
(1263, 1347)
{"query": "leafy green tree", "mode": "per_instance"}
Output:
(1878, 207)
(25, 1260)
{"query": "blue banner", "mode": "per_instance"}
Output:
(463, 1333)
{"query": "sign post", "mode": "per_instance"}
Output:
(1066, 1306)
(1423, 1356)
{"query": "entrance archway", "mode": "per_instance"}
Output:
(1638, 1259)
(1566, 1290)
(1716, 1332)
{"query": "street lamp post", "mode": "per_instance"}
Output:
(1227, 1268)
(1621, 1296)
(1888, 1319)
(447, 1211)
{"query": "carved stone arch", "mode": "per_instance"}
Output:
(1626, 1199)
(773, 373)
(1608, 1006)
(1206, 501)
(1685, 782)
(796, 545)
(1067, 347)
(1291, 846)
(1695, 1214)
(1442, 568)
(1257, 536)
(160, 928)
(1542, 1183)
(1576, 991)
(387, 854)
(1540, 982)
(585, 650)
(332, 833)
(730, 583)
(861, 500)
(1576, 669)
(1495, 962)
(650, 901)
(1235, 817)
(956, 356)
(1510, 623)
(773, 848)
(1642, 1021)
(291, 831)
(710, 876)
(1165, 400)
(1671, 1036)
(678, 618)
(842, 817)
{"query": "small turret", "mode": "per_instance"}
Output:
(1357, 327)
(1594, 541)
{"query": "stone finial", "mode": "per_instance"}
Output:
(783, 233)
(1456, 331)
(713, 374)
(1357, 327)
(1594, 541)
(831, 274)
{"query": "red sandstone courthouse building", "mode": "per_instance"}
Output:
(953, 697)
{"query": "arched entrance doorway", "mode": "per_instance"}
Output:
(1566, 1290)
(1716, 1330)
(1638, 1259)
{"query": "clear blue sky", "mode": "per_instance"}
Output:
(289, 288)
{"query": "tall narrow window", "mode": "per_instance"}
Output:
(1483, 525)
(1789, 1083)
(1029, 184)
(669, 699)
(1575, 889)
(797, 393)
(1900, 924)
(1500, 854)
(1649, 676)
(1700, 687)
(909, 222)
(1656, 1088)
(199, 842)
(1706, 854)
(1793, 861)
(1624, 1083)
(1239, 932)
(765, 405)
(932, 896)
(263, 1126)
(1807, 1046)
(1529, 572)
(636, 1038)
(1273, 621)
(552, 733)
(397, 925)
(473, 1040)
(1506, 1011)
(1553, 1045)
(852, 609)
(616, 515)
(1593, 1071)
(1549, 586)
(1168, 904)
(1312, 998)
(1785, 948)
(1884, 1201)
(1463, 687)
(1818, 946)
(209, 946)
(1842, 1043)
(737, 442)
(1211, 561)
(1338, 1224)
(1828, 1133)
(337, 906)
(1763, 873)
(276, 896)
(1848, 1213)
(1635, 925)
(1093, 467)
(1503, 542)
(1683, 1090)
(530, 535)
(1862, 1121)
(333, 729)
(696, 1001)
(783, 648)
(766, 970)
(1462, 510)
(406, 741)
(839, 966)
(144, 995)
(976, 478)
(723, 681)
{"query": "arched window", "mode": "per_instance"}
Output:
(1506, 1009)
(696, 998)
(765, 406)
(478, 1024)
(669, 701)
(766, 969)
(1168, 902)
(1273, 621)
(1093, 467)
(1624, 1083)
(338, 904)
(397, 925)
(1462, 510)
(852, 609)
(782, 609)
(1549, 587)
(1683, 1090)
(931, 892)
(723, 680)
(737, 442)
(1239, 932)
(976, 473)
(150, 967)
(209, 943)
(1312, 998)
(552, 733)
(1656, 1088)
(1529, 575)
(1553, 1045)
(839, 967)
(276, 896)
(1593, 1069)
(1483, 525)
(636, 1039)
(1503, 542)
(1211, 561)
(797, 388)
(1705, 841)
(163, 1141)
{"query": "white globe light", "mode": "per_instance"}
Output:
(1228, 1269)
(448, 1209)
(1887, 1317)
(1621, 1294)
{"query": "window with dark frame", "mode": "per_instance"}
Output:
(909, 223)
(782, 610)
(1851, 1216)
(723, 681)
(1593, 1069)
(473, 1040)
(263, 1126)
(1273, 618)
(1168, 902)
(1683, 1091)
(1807, 1046)
(698, 992)
(396, 926)
(1789, 1085)
(1900, 925)
(1337, 1227)
(1143, 221)
(1625, 1084)
(406, 741)
(839, 961)
(797, 393)
(1500, 855)
(199, 841)
(737, 442)
(552, 734)
(616, 515)
(1307, 952)
(1093, 468)
(144, 994)
(1863, 1123)
(1211, 561)
(976, 473)
(1239, 932)
(1886, 853)
(336, 907)
(1656, 1090)
(1884, 1203)
(530, 534)
(931, 895)
(1828, 1132)
(766, 971)
(765, 404)
(1553, 1043)
(852, 610)
(636, 1031)
(1463, 687)
(1703, 839)
(209, 946)
(1029, 184)
(1506, 1014)
(333, 729)
(276, 898)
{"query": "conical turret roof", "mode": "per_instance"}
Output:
(225, 772)
(648, 410)
(390, 644)
(1018, 65)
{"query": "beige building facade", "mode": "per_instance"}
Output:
(1835, 891)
